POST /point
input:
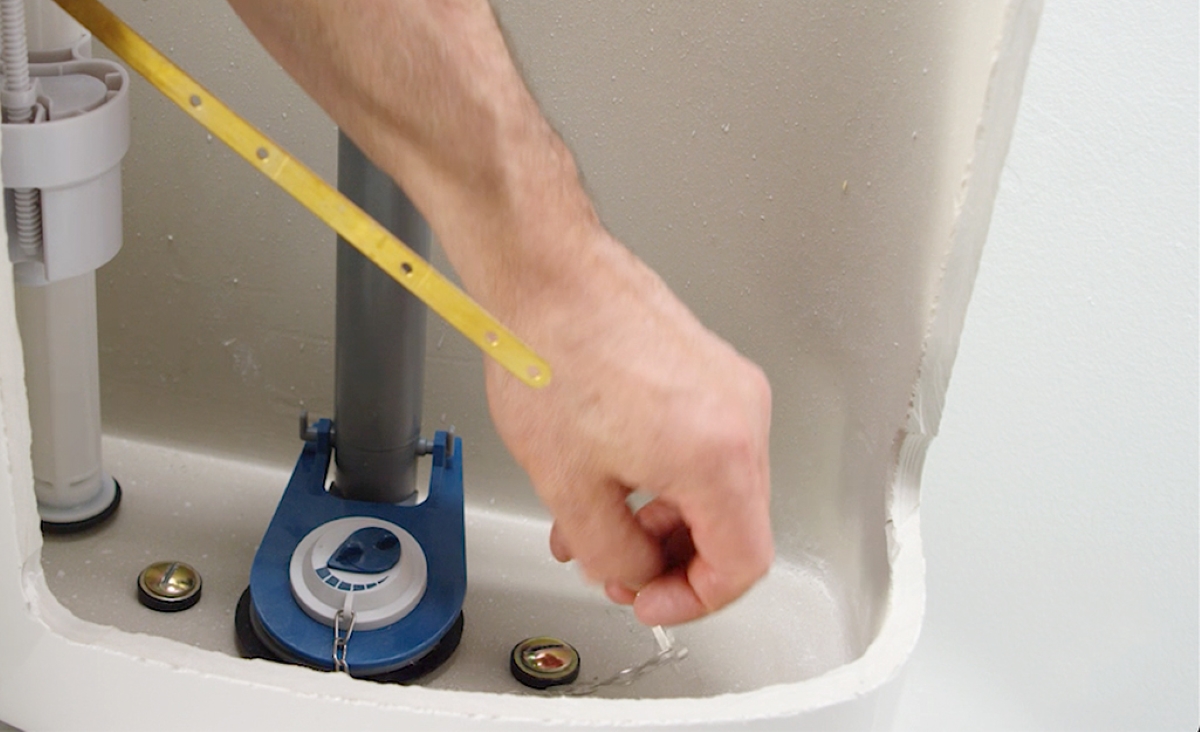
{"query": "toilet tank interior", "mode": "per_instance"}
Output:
(794, 171)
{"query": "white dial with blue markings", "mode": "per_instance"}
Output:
(358, 564)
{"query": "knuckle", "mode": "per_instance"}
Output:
(734, 444)
(760, 385)
(763, 558)
(719, 593)
(733, 586)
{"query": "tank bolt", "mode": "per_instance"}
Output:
(169, 586)
(543, 662)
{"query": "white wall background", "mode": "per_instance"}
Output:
(1059, 508)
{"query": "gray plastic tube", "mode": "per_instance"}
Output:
(380, 351)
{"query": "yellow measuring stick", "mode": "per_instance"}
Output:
(366, 235)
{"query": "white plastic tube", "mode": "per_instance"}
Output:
(49, 27)
(62, 375)
(57, 319)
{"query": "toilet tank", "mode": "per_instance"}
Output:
(815, 180)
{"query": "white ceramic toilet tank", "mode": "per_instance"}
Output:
(814, 179)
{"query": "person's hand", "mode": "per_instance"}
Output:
(643, 398)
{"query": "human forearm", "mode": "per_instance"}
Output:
(428, 91)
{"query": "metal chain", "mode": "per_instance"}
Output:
(668, 653)
(341, 641)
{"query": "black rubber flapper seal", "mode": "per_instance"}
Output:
(254, 641)
(74, 527)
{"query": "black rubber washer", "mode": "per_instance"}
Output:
(74, 527)
(254, 642)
